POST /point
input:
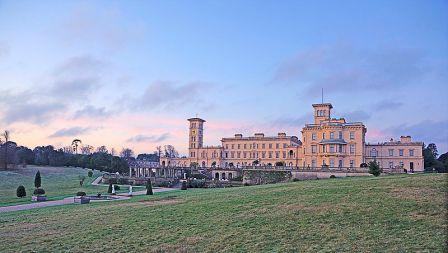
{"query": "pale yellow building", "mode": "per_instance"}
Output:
(327, 142)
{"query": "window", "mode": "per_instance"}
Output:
(331, 163)
(391, 152)
(352, 135)
(227, 154)
(391, 165)
(285, 145)
(400, 152)
(313, 149)
(245, 146)
(401, 164)
(313, 163)
(352, 162)
(277, 154)
(411, 152)
(373, 152)
(331, 148)
(340, 148)
(323, 136)
(244, 155)
(227, 146)
(331, 135)
(270, 154)
(340, 135)
(324, 148)
(340, 164)
(270, 145)
(277, 146)
(233, 146)
(232, 154)
(263, 146)
(284, 154)
(263, 154)
(313, 136)
(192, 154)
(238, 146)
(238, 154)
(352, 148)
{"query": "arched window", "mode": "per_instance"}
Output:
(223, 176)
(374, 152)
(203, 163)
(291, 154)
(290, 164)
(230, 176)
(217, 176)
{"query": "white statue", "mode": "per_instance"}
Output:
(113, 189)
(130, 190)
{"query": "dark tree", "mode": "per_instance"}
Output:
(110, 188)
(21, 191)
(433, 148)
(6, 136)
(37, 180)
(90, 173)
(184, 185)
(149, 187)
(374, 168)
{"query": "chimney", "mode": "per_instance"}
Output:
(238, 136)
(260, 135)
(405, 139)
(281, 135)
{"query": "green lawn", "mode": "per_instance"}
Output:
(402, 213)
(58, 182)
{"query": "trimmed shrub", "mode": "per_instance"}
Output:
(332, 176)
(149, 188)
(81, 194)
(196, 183)
(295, 180)
(184, 185)
(90, 173)
(109, 190)
(21, 191)
(37, 180)
(117, 187)
(374, 168)
(39, 191)
(199, 176)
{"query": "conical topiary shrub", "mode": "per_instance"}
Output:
(110, 188)
(149, 188)
(21, 191)
(37, 180)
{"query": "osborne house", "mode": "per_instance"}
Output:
(326, 143)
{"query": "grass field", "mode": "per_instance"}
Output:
(399, 213)
(58, 182)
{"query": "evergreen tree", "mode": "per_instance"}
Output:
(374, 168)
(37, 180)
(149, 188)
(110, 188)
(21, 191)
(184, 185)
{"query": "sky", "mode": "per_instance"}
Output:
(130, 73)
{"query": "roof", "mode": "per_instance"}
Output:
(196, 119)
(324, 104)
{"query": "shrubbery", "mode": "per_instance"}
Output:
(90, 173)
(332, 176)
(184, 185)
(39, 191)
(374, 168)
(109, 190)
(21, 191)
(81, 194)
(195, 183)
(149, 188)
(117, 187)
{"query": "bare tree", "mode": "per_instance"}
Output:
(102, 149)
(113, 152)
(159, 150)
(126, 153)
(170, 151)
(86, 150)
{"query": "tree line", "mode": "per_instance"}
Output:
(13, 155)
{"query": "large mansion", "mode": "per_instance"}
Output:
(328, 142)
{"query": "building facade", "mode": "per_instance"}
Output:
(327, 142)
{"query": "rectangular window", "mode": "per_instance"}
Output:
(400, 152)
(270, 145)
(352, 148)
(192, 154)
(313, 163)
(227, 146)
(323, 136)
(340, 148)
(227, 154)
(263, 145)
(352, 135)
(341, 164)
(331, 135)
(238, 154)
(277, 146)
(411, 152)
(244, 155)
(270, 154)
(391, 165)
(313, 149)
(340, 135)
(232, 154)
(245, 146)
(401, 164)
(238, 146)
(233, 146)
(284, 154)
(263, 154)
(313, 136)
(391, 152)
(331, 163)
(352, 163)
(277, 154)
(331, 148)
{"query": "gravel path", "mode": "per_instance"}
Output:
(66, 201)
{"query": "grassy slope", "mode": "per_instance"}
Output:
(393, 213)
(58, 182)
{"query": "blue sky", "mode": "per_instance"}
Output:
(129, 73)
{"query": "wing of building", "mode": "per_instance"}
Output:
(327, 142)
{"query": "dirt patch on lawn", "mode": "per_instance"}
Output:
(414, 193)
(154, 202)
